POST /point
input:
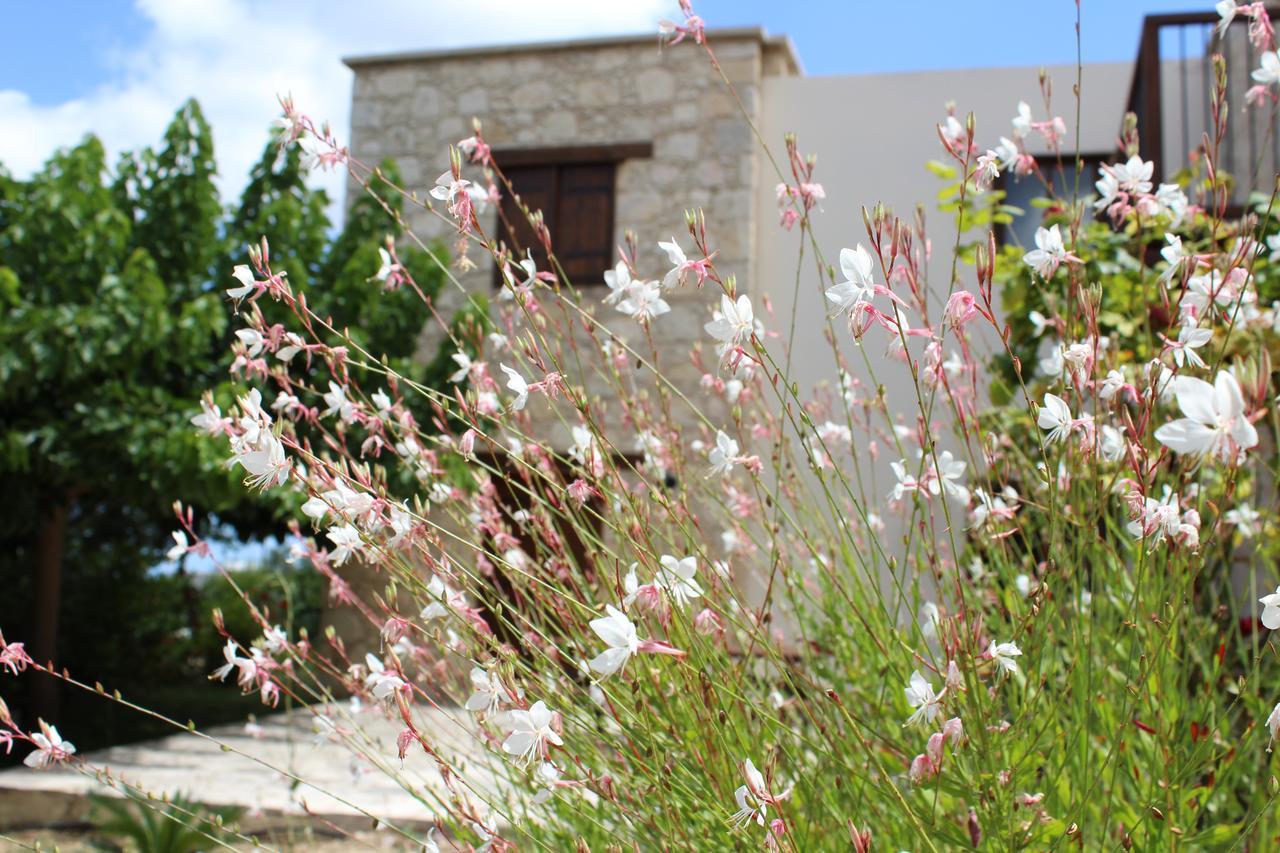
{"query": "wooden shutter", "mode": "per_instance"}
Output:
(536, 186)
(583, 232)
(576, 200)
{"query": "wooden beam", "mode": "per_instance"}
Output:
(566, 154)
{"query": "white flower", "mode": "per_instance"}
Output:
(487, 691)
(949, 472)
(906, 482)
(930, 619)
(338, 403)
(50, 748)
(401, 524)
(1022, 121)
(264, 459)
(1246, 519)
(1226, 10)
(464, 367)
(1111, 444)
(1108, 188)
(619, 634)
(1174, 201)
(1273, 723)
(1007, 152)
(679, 264)
(749, 809)
(1049, 252)
(531, 732)
(857, 266)
(724, 455)
(585, 448)
(619, 281)
(1271, 609)
(179, 547)
(386, 265)
(1134, 175)
(246, 667)
(677, 577)
(275, 639)
(1055, 416)
(1269, 71)
(1003, 654)
(988, 169)
(381, 683)
(920, 695)
(243, 274)
(443, 599)
(346, 541)
(524, 287)
(644, 302)
(988, 507)
(1190, 339)
(518, 385)
(1175, 256)
(1215, 423)
(210, 418)
(288, 351)
(252, 340)
(1164, 518)
(381, 401)
(954, 365)
(1038, 323)
(732, 325)
(1111, 384)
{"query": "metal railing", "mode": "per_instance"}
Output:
(1173, 81)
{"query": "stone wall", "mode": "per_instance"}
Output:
(412, 107)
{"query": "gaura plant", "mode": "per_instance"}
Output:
(702, 617)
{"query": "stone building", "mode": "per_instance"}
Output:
(613, 134)
(603, 136)
(628, 136)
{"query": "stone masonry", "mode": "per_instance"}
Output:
(412, 107)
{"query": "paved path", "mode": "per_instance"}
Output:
(342, 789)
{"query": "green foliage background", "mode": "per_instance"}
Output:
(113, 322)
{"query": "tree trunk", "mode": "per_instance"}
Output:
(48, 602)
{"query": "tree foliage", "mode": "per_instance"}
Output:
(113, 323)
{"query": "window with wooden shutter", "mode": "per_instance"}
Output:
(575, 190)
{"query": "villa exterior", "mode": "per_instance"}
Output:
(617, 134)
(610, 135)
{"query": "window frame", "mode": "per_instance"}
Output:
(1004, 233)
(556, 159)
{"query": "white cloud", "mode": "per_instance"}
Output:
(236, 56)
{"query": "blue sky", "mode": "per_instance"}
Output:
(121, 67)
(850, 37)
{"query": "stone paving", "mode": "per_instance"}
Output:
(245, 771)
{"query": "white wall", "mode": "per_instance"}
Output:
(872, 136)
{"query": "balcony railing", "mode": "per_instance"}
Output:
(1173, 81)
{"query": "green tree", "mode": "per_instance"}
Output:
(112, 325)
(110, 332)
(277, 204)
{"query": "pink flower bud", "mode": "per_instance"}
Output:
(403, 740)
(708, 623)
(394, 629)
(934, 748)
(961, 308)
(953, 730)
(922, 769)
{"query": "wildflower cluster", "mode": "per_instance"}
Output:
(1001, 611)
